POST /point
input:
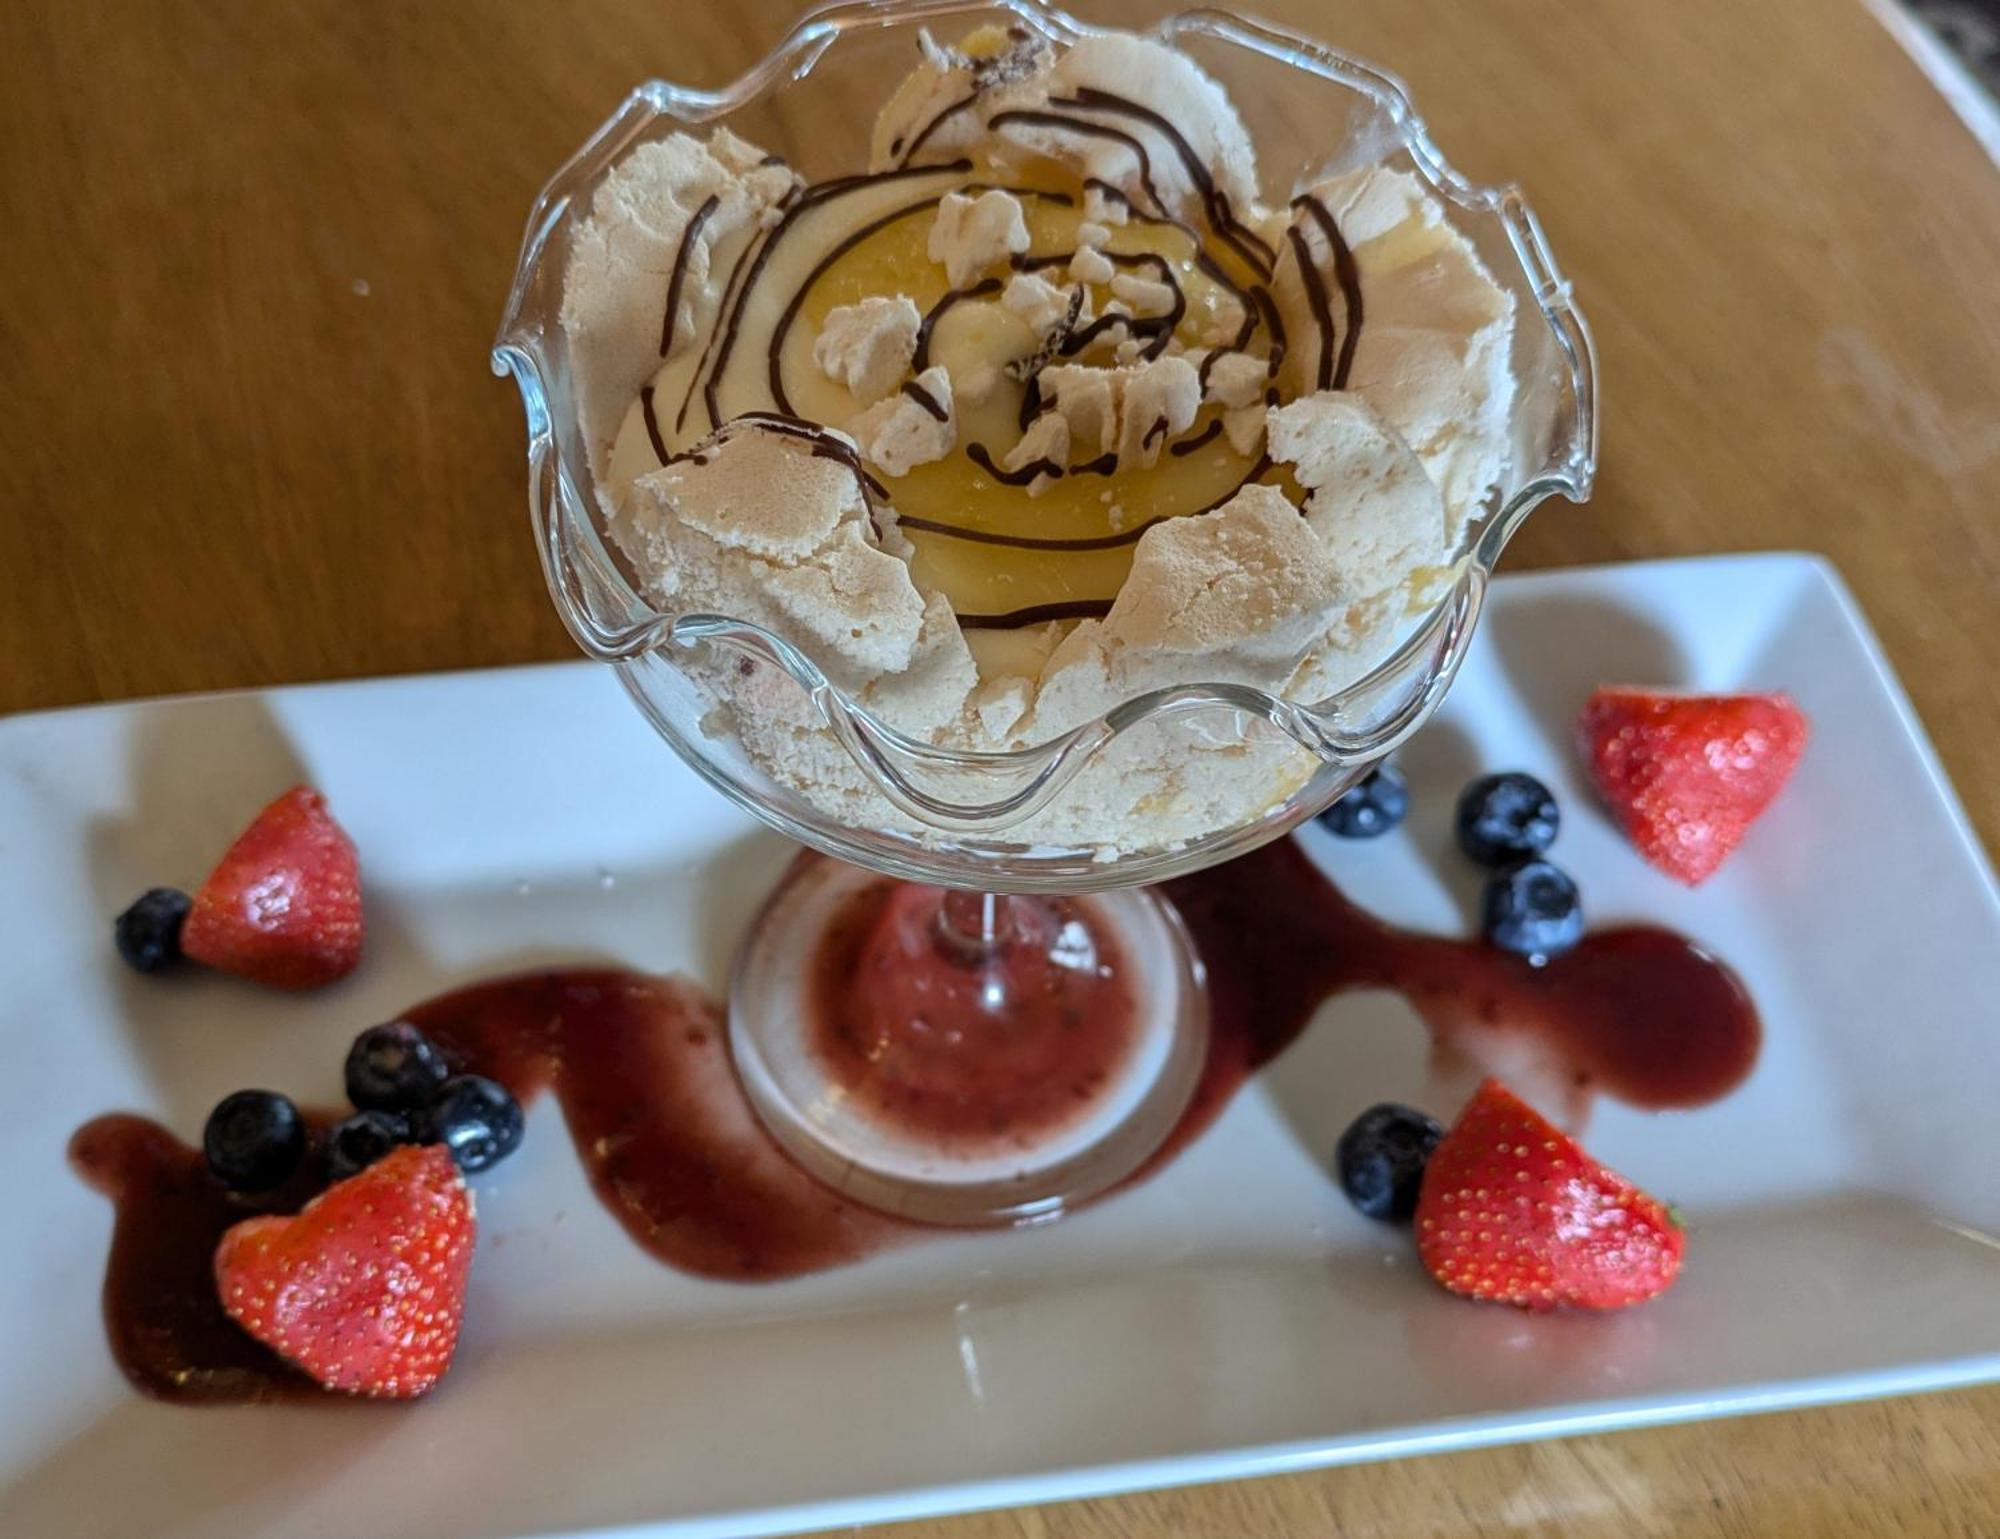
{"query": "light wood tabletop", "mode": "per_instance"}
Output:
(254, 258)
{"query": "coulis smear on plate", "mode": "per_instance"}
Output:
(905, 1030)
(640, 1067)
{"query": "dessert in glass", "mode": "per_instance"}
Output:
(1024, 461)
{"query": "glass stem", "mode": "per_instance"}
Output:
(970, 925)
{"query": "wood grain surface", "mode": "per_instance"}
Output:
(254, 256)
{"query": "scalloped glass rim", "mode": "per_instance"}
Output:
(612, 621)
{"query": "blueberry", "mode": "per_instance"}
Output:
(393, 1068)
(1505, 818)
(1370, 807)
(1533, 910)
(363, 1139)
(149, 932)
(1381, 1159)
(254, 1140)
(476, 1119)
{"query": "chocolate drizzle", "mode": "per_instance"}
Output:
(1001, 69)
(679, 276)
(1077, 341)
(1236, 344)
(1084, 128)
(1029, 369)
(740, 272)
(920, 360)
(1032, 404)
(1109, 189)
(1315, 287)
(732, 309)
(1273, 323)
(652, 423)
(1239, 237)
(731, 288)
(1026, 541)
(824, 444)
(840, 454)
(1189, 445)
(1205, 263)
(1103, 465)
(774, 359)
(1333, 372)
(1157, 329)
(1038, 614)
(983, 458)
(926, 400)
(1242, 271)
(922, 135)
(774, 362)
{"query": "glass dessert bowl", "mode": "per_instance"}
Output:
(1192, 769)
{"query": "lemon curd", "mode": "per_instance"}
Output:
(1090, 518)
(1005, 548)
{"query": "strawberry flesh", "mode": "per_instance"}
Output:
(364, 1287)
(283, 905)
(1512, 1210)
(1686, 775)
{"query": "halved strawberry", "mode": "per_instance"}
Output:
(365, 1286)
(283, 905)
(1514, 1211)
(1688, 774)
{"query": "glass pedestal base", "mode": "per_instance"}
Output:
(958, 1058)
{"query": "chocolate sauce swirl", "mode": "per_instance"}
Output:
(1316, 301)
(1239, 343)
(652, 424)
(1037, 614)
(1189, 445)
(1221, 246)
(922, 135)
(1084, 128)
(774, 356)
(679, 275)
(823, 444)
(981, 456)
(1239, 237)
(920, 359)
(1333, 369)
(1103, 465)
(744, 277)
(1274, 323)
(926, 400)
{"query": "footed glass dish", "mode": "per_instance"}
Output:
(967, 820)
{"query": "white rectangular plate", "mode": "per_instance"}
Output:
(1233, 1317)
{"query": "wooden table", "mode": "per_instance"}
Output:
(255, 252)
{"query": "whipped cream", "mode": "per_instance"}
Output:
(1043, 409)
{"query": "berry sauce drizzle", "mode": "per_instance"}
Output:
(1638, 1012)
(162, 1313)
(640, 1067)
(906, 1031)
